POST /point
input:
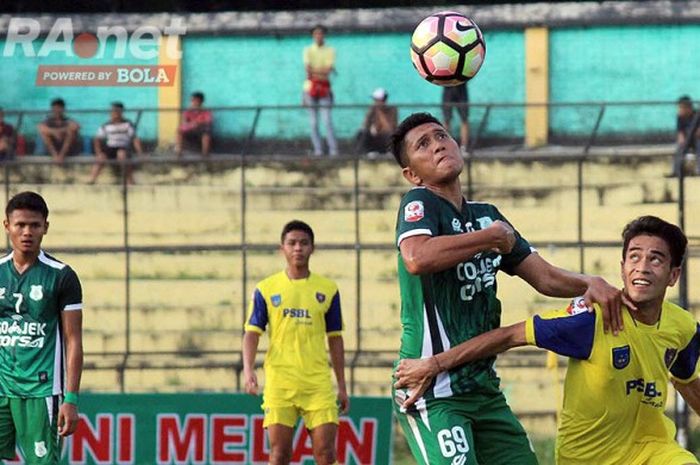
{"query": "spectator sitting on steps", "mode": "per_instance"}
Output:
(59, 133)
(195, 126)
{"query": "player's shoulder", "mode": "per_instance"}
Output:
(51, 262)
(271, 282)
(322, 282)
(678, 317)
(419, 194)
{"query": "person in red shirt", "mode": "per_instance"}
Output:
(195, 125)
(7, 138)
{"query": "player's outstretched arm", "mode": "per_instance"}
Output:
(72, 323)
(690, 392)
(426, 254)
(336, 347)
(250, 350)
(552, 281)
(416, 375)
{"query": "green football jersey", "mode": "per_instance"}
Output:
(443, 309)
(31, 338)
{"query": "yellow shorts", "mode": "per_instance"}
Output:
(285, 406)
(662, 453)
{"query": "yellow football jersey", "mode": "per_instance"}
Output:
(616, 386)
(300, 313)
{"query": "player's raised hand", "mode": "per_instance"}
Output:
(416, 376)
(343, 400)
(67, 421)
(610, 300)
(503, 236)
(251, 383)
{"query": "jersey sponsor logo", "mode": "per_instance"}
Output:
(669, 356)
(456, 225)
(16, 334)
(40, 449)
(478, 274)
(485, 222)
(577, 305)
(621, 357)
(414, 211)
(36, 293)
(295, 313)
(320, 297)
(276, 300)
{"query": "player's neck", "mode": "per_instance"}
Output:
(451, 191)
(23, 260)
(294, 272)
(648, 313)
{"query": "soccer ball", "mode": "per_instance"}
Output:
(447, 48)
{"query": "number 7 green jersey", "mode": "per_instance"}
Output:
(31, 336)
(443, 309)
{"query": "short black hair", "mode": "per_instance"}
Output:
(59, 102)
(323, 28)
(27, 201)
(654, 226)
(685, 100)
(297, 225)
(397, 138)
(119, 105)
(199, 95)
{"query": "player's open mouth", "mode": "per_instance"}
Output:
(641, 282)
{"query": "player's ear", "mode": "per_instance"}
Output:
(6, 224)
(46, 227)
(622, 269)
(675, 274)
(411, 176)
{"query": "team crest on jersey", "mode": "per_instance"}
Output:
(40, 449)
(621, 357)
(669, 356)
(320, 297)
(577, 305)
(276, 300)
(414, 211)
(36, 292)
(456, 225)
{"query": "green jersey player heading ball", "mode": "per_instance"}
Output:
(450, 252)
(41, 353)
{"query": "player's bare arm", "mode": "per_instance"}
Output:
(417, 374)
(426, 254)
(72, 323)
(336, 348)
(250, 350)
(552, 281)
(690, 392)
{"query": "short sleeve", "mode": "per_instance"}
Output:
(306, 55)
(70, 292)
(132, 130)
(257, 318)
(334, 318)
(418, 215)
(101, 132)
(685, 368)
(564, 332)
(521, 249)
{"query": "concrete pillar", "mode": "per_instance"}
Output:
(536, 85)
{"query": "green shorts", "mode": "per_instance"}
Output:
(467, 429)
(30, 424)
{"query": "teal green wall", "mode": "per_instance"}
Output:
(18, 75)
(268, 70)
(632, 63)
(586, 64)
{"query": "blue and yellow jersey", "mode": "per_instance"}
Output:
(300, 313)
(616, 386)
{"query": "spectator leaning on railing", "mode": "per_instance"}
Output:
(59, 133)
(114, 140)
(7, 138)
(195, 126)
